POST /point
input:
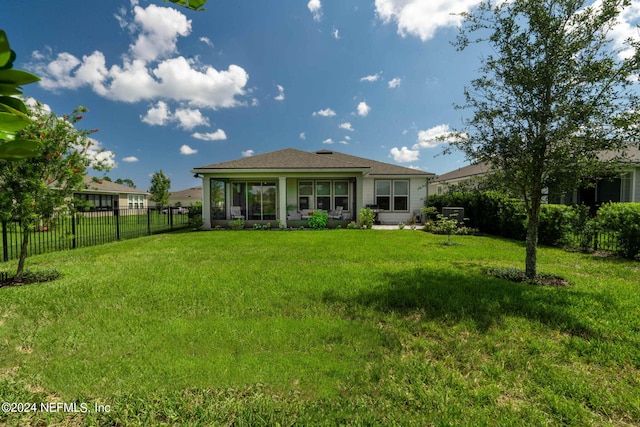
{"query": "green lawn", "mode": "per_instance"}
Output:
(322, 327)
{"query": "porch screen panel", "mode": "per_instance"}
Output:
(254, 200)
(239, 196)
(323, 195)
(305, 195)
(269, 200)
(341, 195)
(217, 199)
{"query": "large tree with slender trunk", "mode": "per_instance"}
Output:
(554, 93)
(33, 189)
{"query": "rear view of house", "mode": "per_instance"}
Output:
(287, 185)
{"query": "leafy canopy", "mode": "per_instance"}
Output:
(13, 112)
(553, 95)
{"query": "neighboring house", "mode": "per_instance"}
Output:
(187, 197)
(621, 188)
(286, 185)
(467, 176)
(102, 195)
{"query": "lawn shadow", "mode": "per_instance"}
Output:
(473, 295)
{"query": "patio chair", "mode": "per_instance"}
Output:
(337, 213)
(236, 212)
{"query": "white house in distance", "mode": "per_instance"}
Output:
(103, 195)
(288, 184)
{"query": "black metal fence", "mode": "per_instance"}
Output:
(82, 229)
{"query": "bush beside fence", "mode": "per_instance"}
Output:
(82, 229)
(615, 228)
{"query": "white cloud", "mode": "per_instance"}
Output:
(394, 83)
(130, 159)
(347, 137)
(328, 141)
(218, 135)
(422, 18)
(371, 78)
(158, 115)
(207, 41)
(343, 142)
(280, 96)
(327, 112)
(435, 136)
(303, 135)
(336, 34)
(187, 151)
(315, 7)
(98, 155)
(346, 126)
(363, 109)
(255, 102)
(159, 30)
(404, 155)
(248, 153)
(151, 70)
(189, 119)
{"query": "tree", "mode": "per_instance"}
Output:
(13, 111)
(190, 4)
(159, 190)
(553, 95)
(128, 182)
(34, 188)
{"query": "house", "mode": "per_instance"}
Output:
(624, 187)
(287, 185)
(187, 197)
(103, 195)
(465, 176)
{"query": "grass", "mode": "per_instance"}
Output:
(322, 328)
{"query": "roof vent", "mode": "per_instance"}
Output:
(324, 152)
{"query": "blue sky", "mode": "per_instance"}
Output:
(172, 89)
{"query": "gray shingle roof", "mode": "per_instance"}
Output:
(292, 159)
(104, 186)
(469, 171)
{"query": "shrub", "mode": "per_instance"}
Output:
(366, 218)
(623, 220)
(318, 220)
(352, 226)
(236, 224)
(556, 223)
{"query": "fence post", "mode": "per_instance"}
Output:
(116, 213)
(5, 244)
(74, 218)
(170, 218)
(149, 221)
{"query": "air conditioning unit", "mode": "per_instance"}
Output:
(449, 212)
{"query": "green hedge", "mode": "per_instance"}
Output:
(623, 221)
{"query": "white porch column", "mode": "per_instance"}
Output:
(282, 190)
(359, 198)
(206, 203)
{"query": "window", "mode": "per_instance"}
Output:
(96, 202)
(392, 195)
(325, 194)
(135, 201)
(400, 195)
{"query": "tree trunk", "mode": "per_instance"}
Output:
(23, 253)
(531, 259)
